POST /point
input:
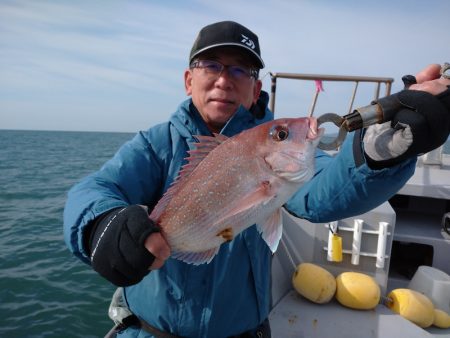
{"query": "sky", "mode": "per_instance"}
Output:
(118, 65)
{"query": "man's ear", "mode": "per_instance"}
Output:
(257, 91)
(188, 81)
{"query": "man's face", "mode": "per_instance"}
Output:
(217, 97)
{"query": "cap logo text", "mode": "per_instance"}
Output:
(245, 40)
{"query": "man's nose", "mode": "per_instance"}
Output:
(224, 76)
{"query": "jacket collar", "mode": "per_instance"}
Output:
(188, 121)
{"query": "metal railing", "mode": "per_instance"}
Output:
(336, 78)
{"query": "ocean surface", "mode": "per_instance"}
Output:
(44, 290)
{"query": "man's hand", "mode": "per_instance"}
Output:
(158, 247)
(422, 125)
(429, 80)
(125, 245)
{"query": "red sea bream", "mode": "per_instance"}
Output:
(229, 184)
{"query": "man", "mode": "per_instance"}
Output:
(107, 226)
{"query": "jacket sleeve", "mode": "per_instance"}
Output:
(132, 176)
(344, 185)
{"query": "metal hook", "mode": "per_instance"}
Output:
(338, 121)
(445, 71)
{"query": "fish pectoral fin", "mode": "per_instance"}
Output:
(261, 196)
(272, 230)
(196, 258)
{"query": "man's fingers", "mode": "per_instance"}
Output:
(157, 263)
(431, 72)
(428, 80)
(157, 245)
(433, 87)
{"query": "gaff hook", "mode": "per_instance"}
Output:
(379, 111)
(338, 121)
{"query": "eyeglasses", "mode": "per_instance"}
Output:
(216, 68)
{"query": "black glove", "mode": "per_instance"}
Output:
(421, 125)
(116, 245)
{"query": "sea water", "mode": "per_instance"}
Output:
(44, 290)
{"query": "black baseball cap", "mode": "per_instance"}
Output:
(227, 33)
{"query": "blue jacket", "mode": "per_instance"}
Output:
(232, 293)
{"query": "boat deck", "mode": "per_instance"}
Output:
(416, 219)
(296, 317)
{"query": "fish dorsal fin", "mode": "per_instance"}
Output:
(203, 146)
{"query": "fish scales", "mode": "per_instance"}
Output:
(231, 183)
(205, 194)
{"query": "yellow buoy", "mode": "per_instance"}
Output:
(314, 283)
(412, 305)
(441, 319)
(357, 291)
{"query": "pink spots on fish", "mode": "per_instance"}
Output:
(229, 184)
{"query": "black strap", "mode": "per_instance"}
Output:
(135, 321)
(263, 330)
(126, 322)
(357, 149)
(113, 332)
(446, 223)
(155, 331)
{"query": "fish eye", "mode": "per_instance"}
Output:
(279, 133)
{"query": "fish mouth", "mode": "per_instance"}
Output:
(298, 164)
(313, 131)
(299, 176)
